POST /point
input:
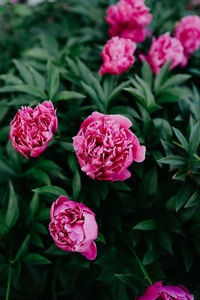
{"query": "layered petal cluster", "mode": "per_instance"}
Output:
(157, 291)
(106, 147)
(187, 31)
(32, 129)
(128, 19)
(73, 227)
(162, 50)
(117, 56)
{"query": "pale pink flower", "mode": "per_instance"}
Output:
(14, 1)
(162, 50)
(117, 56)
(128, 19)
(73, 227)
(157, 291)
(32, 129)
(106, 147)
(195, 2)
(187, 31)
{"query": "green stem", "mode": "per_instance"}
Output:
(181, 146)
(146, 276)
(9, 282)
(196, 156)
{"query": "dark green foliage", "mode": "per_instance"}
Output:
(149, 225)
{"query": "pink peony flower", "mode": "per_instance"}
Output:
(14, 1)
(187, 31)
(162, 50)
(106, 147)
(158, 292)
(32, 129)
(128, 19)
(117, 56)
(73, 227)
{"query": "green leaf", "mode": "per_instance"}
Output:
(188, 254)
(149, 224)
(34, 204)
(193, 200)
(12, 212)
(147, 74)
(174, 80)
(68, 95)
(162, 76)
(173, 160)
(194, 139)
(36, 240)
(54, 190)
(31, 90)
(23, 249)
(38, 227)
(181, 138)
(22, 10)
(39, 81)
(24, 72)
(129, 279)
(76, 185)
(120, 185)
(43, 214)
(100, 238)
(36, 259)
(53, 80)
(67, 146)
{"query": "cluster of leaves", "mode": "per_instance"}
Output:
(149, 225)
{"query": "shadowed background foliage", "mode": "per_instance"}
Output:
(149, 225)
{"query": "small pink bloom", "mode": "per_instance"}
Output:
(117, 56)
(106, 147)
(195, 2)
(73, 227)
(157, 291)
(32, 129)
(187, 31)
(162, 50)
(14, 1)
(128, 19)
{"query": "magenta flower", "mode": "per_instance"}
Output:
(106, 147)
(187, 31)
(157, 291)
(128, 19)
(162, 50)
(32, 129)
(117, 56)
(73, 227)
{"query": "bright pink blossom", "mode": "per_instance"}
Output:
(162, 50)
(73, 227)
(128, 19)
(32, 129)
(117, 56)
(187, 31)
(157, 291)
(106, 147)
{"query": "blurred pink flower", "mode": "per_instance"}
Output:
(32, 129)
(187, 31)
(128, 19)
(73, 227)
(157, 291)
(106, 147)
(162, 50)
(195, 2)
(117, 56)
(14, 1)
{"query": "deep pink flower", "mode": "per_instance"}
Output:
(32, 129)
(128, 19)
(106, 147)
(117, 56)
(163, 49)
(73, 227)
(157, 291)
(187, 31)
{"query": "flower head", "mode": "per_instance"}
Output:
(187, 31)
(128, 19)
(157, 291)
(162, 50)
(106, 147)
(117, 56)
(73, 227)
(32, 129)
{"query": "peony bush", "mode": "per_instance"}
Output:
(99, 149)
